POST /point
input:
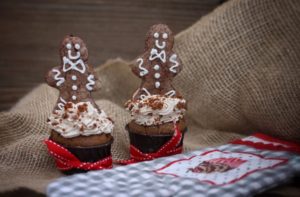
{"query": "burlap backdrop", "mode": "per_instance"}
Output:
(241, 74)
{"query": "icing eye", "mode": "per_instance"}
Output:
(165, 36)
(77, 46)
(157, 75)
(156, 35)
(69, 46)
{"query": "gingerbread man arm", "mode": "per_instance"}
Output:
(139, 67)
(93, 83)
(54, 77)
(174, 64)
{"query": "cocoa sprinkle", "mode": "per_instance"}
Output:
(82, 108)
(54, 123)
(65, 116)
(81, 128)
(181, 105)
(68, 105)
(155, 103)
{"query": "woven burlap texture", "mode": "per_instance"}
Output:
(241, 75)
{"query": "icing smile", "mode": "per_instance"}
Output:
(162, 46)
(71, 57)
(69, 47)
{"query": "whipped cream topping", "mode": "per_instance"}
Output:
(156, 109)
(80, 119)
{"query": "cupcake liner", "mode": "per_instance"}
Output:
(150, 143)
(88, 154)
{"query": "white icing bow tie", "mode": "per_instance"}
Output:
(69, 65)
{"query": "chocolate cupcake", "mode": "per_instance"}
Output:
(78, 125)
(156, 107)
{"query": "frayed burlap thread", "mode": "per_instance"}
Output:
(241, 75)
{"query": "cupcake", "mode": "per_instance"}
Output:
(79, 128)
(156, 107)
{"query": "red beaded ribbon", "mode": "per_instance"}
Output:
(170, 148)
(65, 160)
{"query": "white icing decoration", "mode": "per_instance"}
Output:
(170, 93)
(62, 103)
(156, 67)
(69, 65)
(74, 97)
(157, 75)
(156, 35)
(73, 57)
(135, 93)
(77, 46)
(144, 71)
(74, 87)
(60, 80)
(74, 77)
(91, 81)
(147, 93)
(160, 46)
(157, 84)
(176, 64)
(69, 46)
(165, 36)
(154, 55)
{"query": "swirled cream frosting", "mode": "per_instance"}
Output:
(80, 119)
(156, 109)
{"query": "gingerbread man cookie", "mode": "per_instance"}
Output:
(74, 78)
(158, 65)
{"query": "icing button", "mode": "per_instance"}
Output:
(157, 75)
(156, 67)
(157, 84)
(74, 97)
(74, 77)
(74, 87)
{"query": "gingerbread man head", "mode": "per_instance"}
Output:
(74, 78)
(73, 48)
(159, 36)
(158, 65)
